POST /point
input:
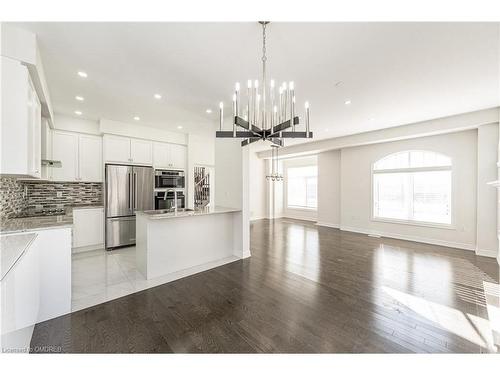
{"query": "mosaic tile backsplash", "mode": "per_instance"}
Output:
(16, 196)
(12, 197)
(53, 194)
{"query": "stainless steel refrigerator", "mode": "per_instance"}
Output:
(128, 189)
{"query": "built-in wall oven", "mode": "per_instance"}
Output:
(169, 179)
(164, 200)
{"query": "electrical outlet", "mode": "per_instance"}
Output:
(59, 194)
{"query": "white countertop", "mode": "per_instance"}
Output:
(161, 214)
(12, 247)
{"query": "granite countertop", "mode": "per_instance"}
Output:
(161, 214)
(12, 247)
(25, 224)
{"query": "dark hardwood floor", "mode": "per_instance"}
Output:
(306, 289)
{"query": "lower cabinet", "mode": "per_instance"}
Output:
(21, 300)
(88, 229)
(36, 288)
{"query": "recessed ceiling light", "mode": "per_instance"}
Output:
(208, 110)
(78, 113)
(347, 102)
(179, 127)
(79, 98)
(82, 74)
(157, 96)
(137, 118)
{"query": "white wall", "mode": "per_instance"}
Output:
(487, 156)
(257, 189)
(232, 185)
(228, 173)
(329, 188)
(356, 164)
(296, 213)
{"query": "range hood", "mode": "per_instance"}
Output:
(52, 163)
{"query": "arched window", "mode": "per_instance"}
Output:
(413, 186)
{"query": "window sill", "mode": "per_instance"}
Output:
(414, 223)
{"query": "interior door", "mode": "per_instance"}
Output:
(119, 199)
(143, 182)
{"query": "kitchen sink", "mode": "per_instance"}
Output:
(169, 211)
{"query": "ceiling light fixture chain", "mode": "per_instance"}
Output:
(258, 120)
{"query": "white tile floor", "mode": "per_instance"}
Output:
(99, 276)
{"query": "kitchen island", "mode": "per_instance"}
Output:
(182, 243)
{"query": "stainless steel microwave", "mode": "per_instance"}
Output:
(169, 179)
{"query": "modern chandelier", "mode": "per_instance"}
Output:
(262, 119)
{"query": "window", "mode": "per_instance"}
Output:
(413, 186)
(302, 189)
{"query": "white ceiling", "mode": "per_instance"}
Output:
(394, 73)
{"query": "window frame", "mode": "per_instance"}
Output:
(417, 223)
(285, 189)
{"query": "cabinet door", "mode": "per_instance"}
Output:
(89, 158)
(177, 156)
(20, 293)
(161, 154)
(14, 117)
(46, 148)
(117, 149)
(34, 133)
(141, 151)
(65, 149)
(88, 227)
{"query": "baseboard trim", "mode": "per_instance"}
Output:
(82, 249)
(298, 217)
(429, 241)
(329, 225)
(486, 253)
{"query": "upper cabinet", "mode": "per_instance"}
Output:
(116, 149)
(20, 121)
(141, 151)
(80, 156)
(89, 158)
(169, 155)
(119, 149)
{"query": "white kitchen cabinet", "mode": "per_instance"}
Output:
(20, 121)
(65, 149)
(116, 149)
(80, 156)
(55, 272)
(141, 151)
(88, 229)
(20, 293)
(126, 150)
(89, 158)
(169, 155)
(178, 156)
(34, 133)
(46, 148)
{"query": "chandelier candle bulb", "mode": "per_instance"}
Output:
(257, 104)
(249, 99)
(307, 118)
(221, 114)
(234, 115)
(237, 94)
(292, 111)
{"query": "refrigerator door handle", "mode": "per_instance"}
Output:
(135, 190)
(129, 192)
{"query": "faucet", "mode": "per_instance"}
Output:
(174, 206)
